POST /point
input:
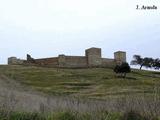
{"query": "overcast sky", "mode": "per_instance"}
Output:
(46, 28)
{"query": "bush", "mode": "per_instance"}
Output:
(122, 69)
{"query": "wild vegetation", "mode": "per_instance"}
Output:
(78, 94)
(147, 62)
(122, 69)
(97, 83)
(68, 115)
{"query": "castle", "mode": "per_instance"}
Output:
(92, 58)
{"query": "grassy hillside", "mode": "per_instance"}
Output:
(92, 83)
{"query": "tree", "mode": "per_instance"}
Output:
(146, 62)
(137, 60)
(122, 69)
(156, 63)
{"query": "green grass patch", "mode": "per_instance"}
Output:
(71, 115)
(101, 82)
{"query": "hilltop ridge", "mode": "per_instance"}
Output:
(90, 83)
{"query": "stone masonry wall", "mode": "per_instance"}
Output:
(92, 58)
(109, 63)
(75, 61)
(61, 61)
(120, 57)
(48, 62)
(15, 61)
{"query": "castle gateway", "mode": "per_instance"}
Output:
(92, 58)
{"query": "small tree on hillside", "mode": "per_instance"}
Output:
(156, 64)
(148, 62)
(122, 69)
(137, 60)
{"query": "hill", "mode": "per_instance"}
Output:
(99, 83)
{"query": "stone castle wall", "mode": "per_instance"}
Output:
(75, 61)
(120, 56)
(15, 61)
(92, 58)
(49, 62)
(106, 62)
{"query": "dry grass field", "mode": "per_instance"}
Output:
(77, 94)
(97, 83)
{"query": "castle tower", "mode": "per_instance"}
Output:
(120, 56)
(93, 56)
(14, 61)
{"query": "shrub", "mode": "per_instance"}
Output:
(122, 69)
